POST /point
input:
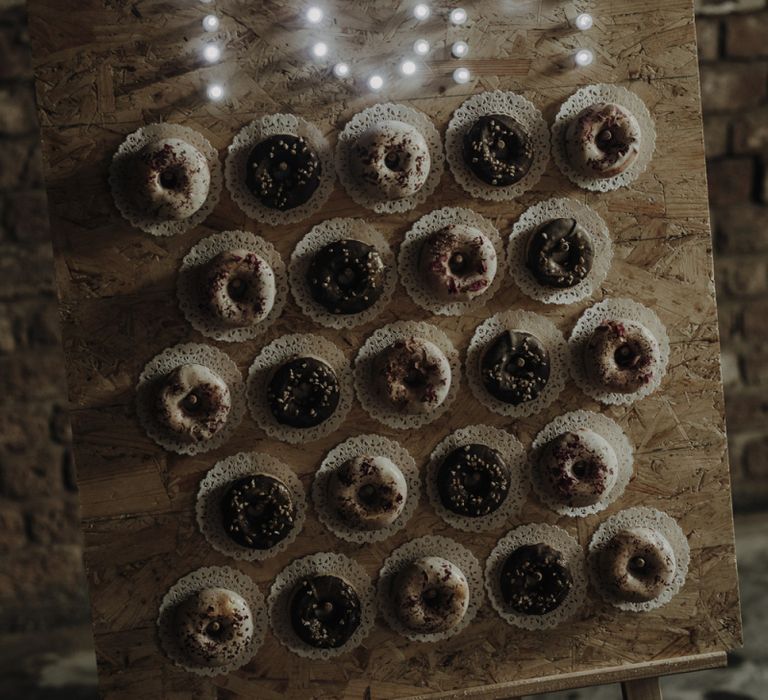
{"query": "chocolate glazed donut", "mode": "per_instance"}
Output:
(283, 172)
(346, 277)
(535, 580)
(325, 611)
(515, 367)
(473, 480)
(303, 392)
(560, 253)
(637, 565)
(258, 511)
(497, 150)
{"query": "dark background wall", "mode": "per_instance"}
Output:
(42, 586)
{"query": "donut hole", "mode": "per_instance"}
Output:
(640, 567)
(627, 356)
(582, 469)
(533, 579)
(415, 378)
(324, 612)
(477, 482)
(432, 597)
(172, 179)
(396, 160)
(218, 630)
(195, 403)
(281, 170)
(368, 495)
(460, 263)
(237, 288)
(517, 363)
(348, 278)
(612, 139)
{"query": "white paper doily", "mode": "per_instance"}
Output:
(236, 167)
(373, 116)
(271, 357)
(524, 113)
(616, 310)
(606, 428)
(211, 577)
(513, 454)
(543, 329)
(320, 236)
(573, 557)
(214, 486)
(540, 214)
(379, 341)
(376, 446)
(595, 94)
(430, 546)
(190, 286)
(408, 259)
(321, 564)
(162, 365)
(122, 188)
(654, 520)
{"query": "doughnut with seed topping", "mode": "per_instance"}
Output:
(515, 367)
(325, 611)
(303, 392)
(473, 480)
(535, 580)
(560, 253)
(497, 150)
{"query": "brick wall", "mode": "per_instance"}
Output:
(41, 583)
(41, 580)
(733, 48)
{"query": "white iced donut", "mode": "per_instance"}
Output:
(458, 262)
(214, 627)
(193, 403)
(368, 492)
(172, 179)
(240, 288)
(603, 140)
(430, 595)
(412, 375)
(392, 160)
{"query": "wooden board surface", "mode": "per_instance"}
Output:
(106, 67)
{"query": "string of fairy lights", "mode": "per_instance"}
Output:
(407, 67)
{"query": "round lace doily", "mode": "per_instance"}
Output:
(122, 187)
(281, 350)
(647, 518)
(524, 113)
(211, 577)
(167, 361)
(430, 546)
(513, 454)
(379, 341)
(376, 446)
(189, 286)
(320, 236)
(616, 310)
(214, 486)
(370, 117)
(408, 259)
(594, 94)
(322, 564)
(610, 431)
(236, 167)
(573, 556)
(540, 214)
(546, 332)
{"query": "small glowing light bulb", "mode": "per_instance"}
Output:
(421, 47)
(215, 92)
(459, 49)
(376, 82)
(320, 49)
(584, 57)
(584, 21)
(341, 70)
(421, 11)
(458, 16)
(314, 15)
(211, 53)
(407, 67)
(461, 75)
(210, 23)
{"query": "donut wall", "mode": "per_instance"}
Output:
(394, 374)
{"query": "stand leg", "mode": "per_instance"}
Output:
(641, 689)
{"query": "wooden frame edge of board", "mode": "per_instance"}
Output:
(583, 679)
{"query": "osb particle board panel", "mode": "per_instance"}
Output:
(106, 67)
